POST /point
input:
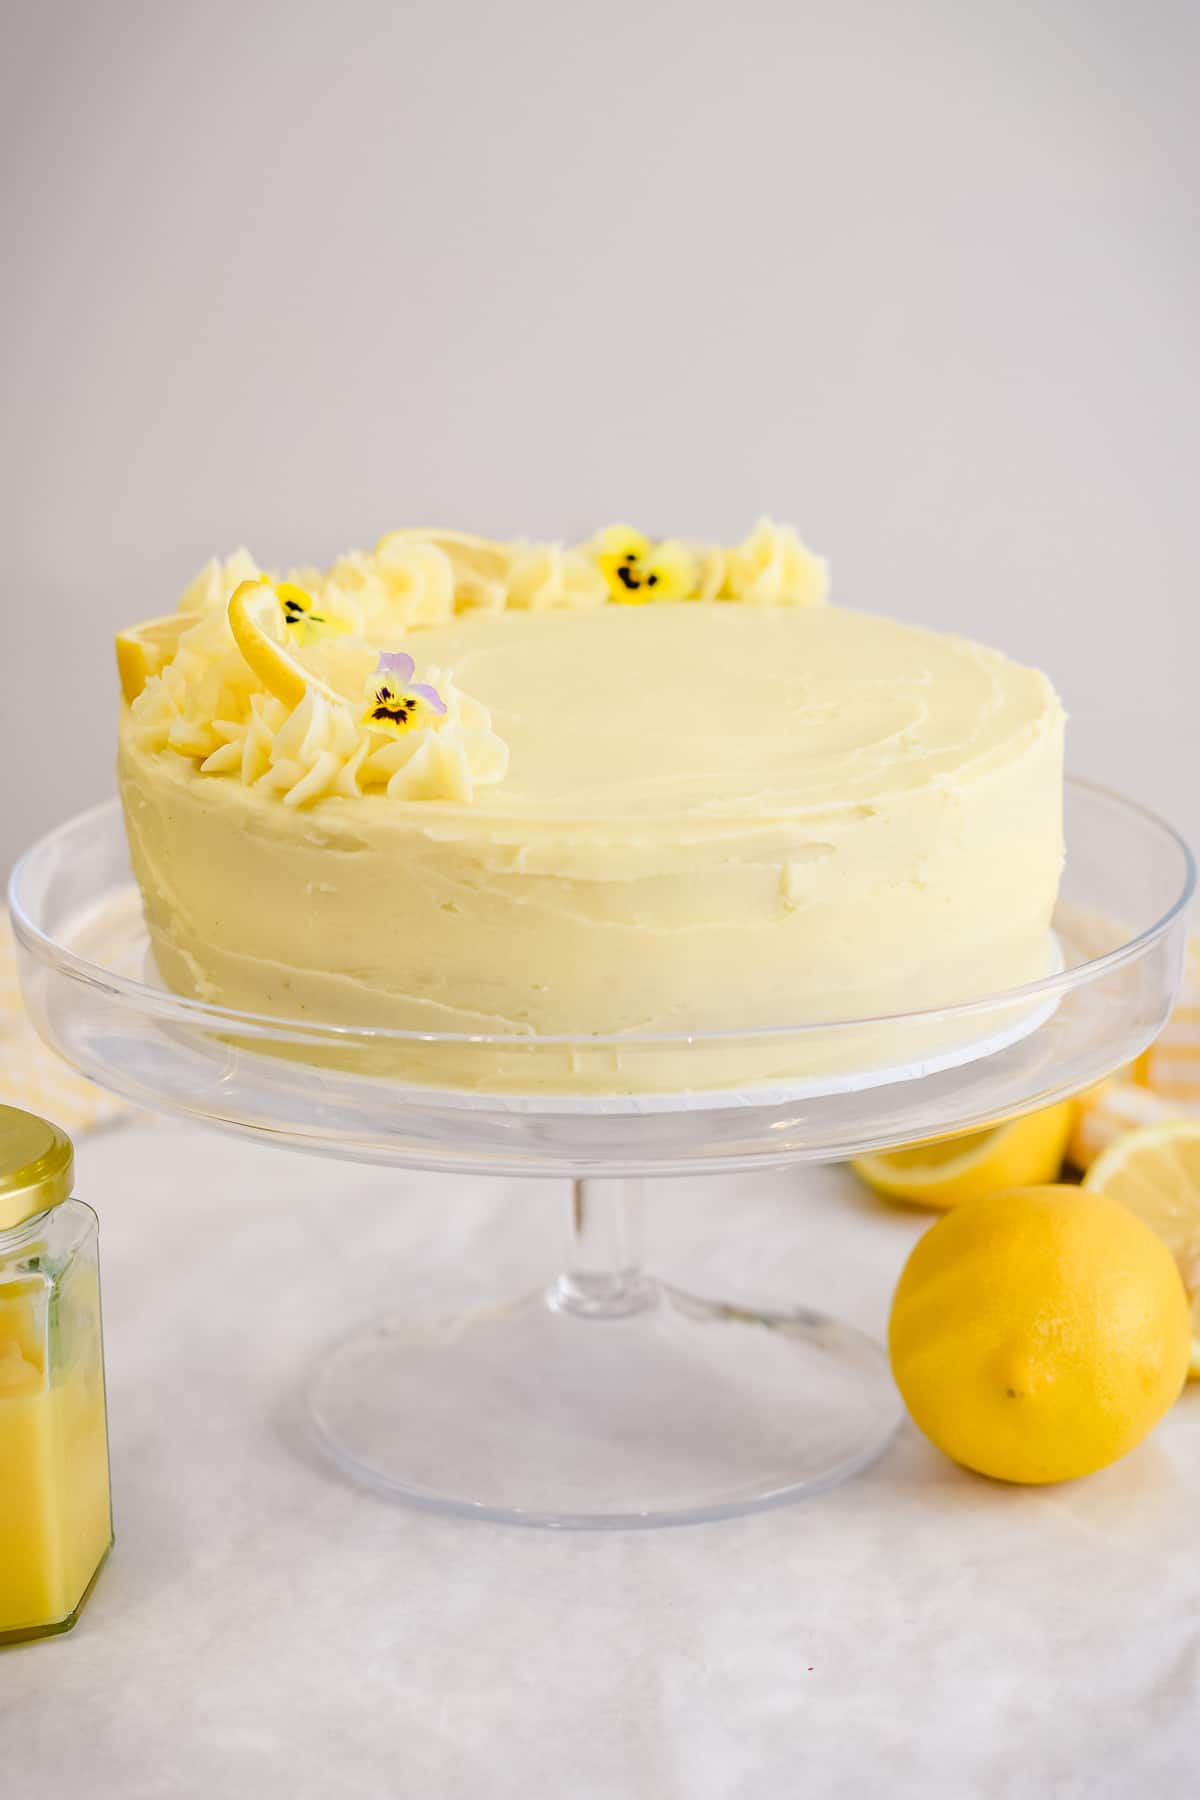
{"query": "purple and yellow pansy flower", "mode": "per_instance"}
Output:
(398, 703)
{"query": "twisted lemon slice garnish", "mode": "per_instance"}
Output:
(259, 623)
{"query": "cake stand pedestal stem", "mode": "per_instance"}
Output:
(603, 1277)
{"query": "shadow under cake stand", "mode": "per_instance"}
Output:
(608, 1398)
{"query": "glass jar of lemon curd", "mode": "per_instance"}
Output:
(55, 1505)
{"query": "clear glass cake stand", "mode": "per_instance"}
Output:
(609, 1398)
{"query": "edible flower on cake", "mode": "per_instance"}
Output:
(305, 622)
(638, 571)
(398, 703)
(771, 567)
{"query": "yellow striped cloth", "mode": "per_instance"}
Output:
(1171, 1066)
(1107, 1112)
(31, 1075)
(1164, 1082)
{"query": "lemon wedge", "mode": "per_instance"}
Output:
(145, 649)
(256, 619)
(1155, 1172)
(1023, 1152)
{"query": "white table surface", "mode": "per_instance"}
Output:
(263, 1629)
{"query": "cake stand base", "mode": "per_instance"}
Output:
(607, 1399)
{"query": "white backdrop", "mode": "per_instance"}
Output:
(924, 279)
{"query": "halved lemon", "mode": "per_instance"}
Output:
(1025, 1152)
(259, 630)
(1155, 1172)
(143, 650)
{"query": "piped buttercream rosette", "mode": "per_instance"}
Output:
(283, 694)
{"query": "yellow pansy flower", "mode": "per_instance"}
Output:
(639, 570)
(306, 622)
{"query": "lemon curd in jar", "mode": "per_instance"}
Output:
(55, 1510)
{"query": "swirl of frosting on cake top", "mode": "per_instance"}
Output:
(296, 684)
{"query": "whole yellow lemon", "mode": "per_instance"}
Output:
(1039, 1334)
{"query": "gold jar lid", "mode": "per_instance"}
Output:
(37, 1166)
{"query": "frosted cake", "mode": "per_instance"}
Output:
(620, 794)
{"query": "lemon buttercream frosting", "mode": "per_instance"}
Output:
(520, 791)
